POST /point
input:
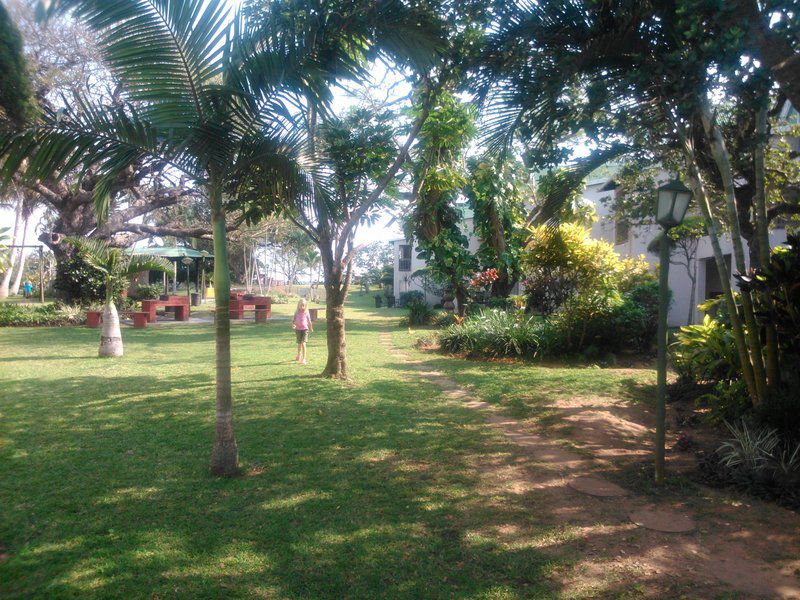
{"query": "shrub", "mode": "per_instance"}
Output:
(412, 296)
(16, 315)
(419, 313)
(279, 298)
(77, 282)
(149, 291)
(443, 319)
(493, 333)
(706, 352)
(562, 264)
(760, 461)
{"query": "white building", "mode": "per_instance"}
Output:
(408, 267)
(631, 242)
(628, 241)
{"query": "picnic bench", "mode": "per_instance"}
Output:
(261, 305)
(181, 304)
(94, 318)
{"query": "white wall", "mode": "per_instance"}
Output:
(679, 281)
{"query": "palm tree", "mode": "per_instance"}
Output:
(116, 265)
(202, 99)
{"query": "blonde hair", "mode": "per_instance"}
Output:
(302, 305)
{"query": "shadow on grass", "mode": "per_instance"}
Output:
(347, 492)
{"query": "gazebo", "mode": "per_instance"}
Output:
(186, 256)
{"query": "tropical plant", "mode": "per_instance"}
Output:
(639, 78)
(203, 98)
(496, 195)
(116, 265)
(706, 352)
(435, 221)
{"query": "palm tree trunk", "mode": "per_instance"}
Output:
(110, 335)
(696, 183)
(21, 261)
(225, 454)
(4, 283)
(762, 231)
(693, 293)
(721, 158)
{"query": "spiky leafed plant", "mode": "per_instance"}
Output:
(201, 98)
(116, 265)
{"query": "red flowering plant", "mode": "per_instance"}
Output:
(481, 283)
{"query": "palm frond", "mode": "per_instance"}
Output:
(96, 253)
(167, 52)
(565, 182)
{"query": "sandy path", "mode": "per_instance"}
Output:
(754, 552)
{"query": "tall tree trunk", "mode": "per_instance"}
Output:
(110, 335)
(335, 295)
(696, 183)
(461, 298)
(762, 230)
(4, 283)
(692, 301)
(21, 260)
(722, 160)
(225, 455)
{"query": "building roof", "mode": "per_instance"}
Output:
(173, 252)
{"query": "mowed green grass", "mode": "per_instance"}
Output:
(526, 389)
(359, 490)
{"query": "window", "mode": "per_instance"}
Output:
(621, 232)
(405, 257)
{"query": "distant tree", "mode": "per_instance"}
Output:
(684, 241)
(371, 261)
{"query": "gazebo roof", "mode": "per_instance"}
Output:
(173, 252)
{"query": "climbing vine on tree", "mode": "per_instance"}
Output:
(439, 175)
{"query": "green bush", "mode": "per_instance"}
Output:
(149, 291)
(410, 297)
(419, 313)
(21, 315)
(77, 282)
(279, 298)
(494, 333)
(706, 352)
(758, 460)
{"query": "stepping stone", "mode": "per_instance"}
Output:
(596, 487)
(663, 520)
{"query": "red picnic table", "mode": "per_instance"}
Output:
(262, 305)
(181, 304)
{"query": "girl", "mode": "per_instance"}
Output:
(302, 325)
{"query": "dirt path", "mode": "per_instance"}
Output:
(751, 550)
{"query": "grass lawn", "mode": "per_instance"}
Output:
(524, 389)
(362, 490)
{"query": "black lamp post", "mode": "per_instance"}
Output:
(673, 200)
(188, 263)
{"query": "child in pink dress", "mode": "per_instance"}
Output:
(302, 325)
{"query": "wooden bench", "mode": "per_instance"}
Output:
(181, 304)
(239, 303)
(94, 318)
